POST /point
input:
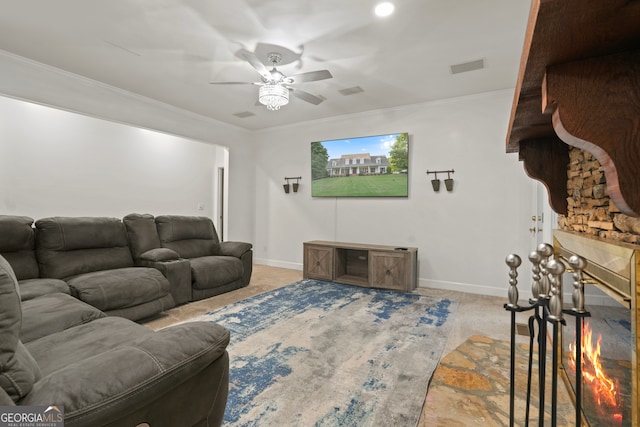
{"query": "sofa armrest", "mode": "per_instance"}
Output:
(159, 254)
(178, 273)
(5, 400)
(235, 249)
(120, 381)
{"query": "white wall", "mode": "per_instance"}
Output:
(23, 79)
(57, 163)
(462, 236)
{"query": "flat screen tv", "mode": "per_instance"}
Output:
(367, 166)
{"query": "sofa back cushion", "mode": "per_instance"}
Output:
(189, 236)
(18, 370)
(17, 245)
(69, 246)
(142, 233)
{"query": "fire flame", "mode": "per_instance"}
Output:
(605, 390)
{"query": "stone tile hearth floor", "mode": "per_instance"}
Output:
(471, 385)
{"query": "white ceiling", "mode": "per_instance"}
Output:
(169, 50)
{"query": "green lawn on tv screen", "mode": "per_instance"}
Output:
(361, 186)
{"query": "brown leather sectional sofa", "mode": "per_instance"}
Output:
(214, 267)
(133, 268)
(70, 290)
(107, 370)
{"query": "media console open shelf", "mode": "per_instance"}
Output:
(375, 266)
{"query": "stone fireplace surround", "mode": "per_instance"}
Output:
(590, 210)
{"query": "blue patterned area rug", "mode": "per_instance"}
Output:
(323, 354)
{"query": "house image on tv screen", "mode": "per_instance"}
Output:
(358, 164)
(368, 166)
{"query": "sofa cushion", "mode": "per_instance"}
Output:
(69, 246)
(144, 310)
(32, 288)
(18, 370)
(142, 233)
(101, 370)
(72, 346)
(189, 236)
(70, 233)
(213, 271)
(17, 245)
(119, 288)
(24, 263)
(53, 313)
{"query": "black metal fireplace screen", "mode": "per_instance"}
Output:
(589, 349)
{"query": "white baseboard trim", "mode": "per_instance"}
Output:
(280, 264)
(436, 284)
(463, 287)
(488, 290)
(451, 286)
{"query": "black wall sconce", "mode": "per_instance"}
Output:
(296, 185)
(435, 182)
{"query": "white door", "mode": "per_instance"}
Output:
(220, 204)
(543, 219)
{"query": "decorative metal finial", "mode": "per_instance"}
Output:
(513, 261)
(578, 264)
(555, 269)
(535, 259)
(545, 250)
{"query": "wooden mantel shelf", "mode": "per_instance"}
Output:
(579, 84)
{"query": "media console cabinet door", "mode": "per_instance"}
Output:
(318, 262)
(389, 270)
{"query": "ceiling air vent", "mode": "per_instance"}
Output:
(351, 90)
(467, 66)
(244, 114)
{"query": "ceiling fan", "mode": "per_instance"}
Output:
(275, 86)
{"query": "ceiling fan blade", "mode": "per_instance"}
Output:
(234, 83)
(306, 96)
(252, 59)
(311, 76)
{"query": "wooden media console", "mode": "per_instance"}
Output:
(375, 266)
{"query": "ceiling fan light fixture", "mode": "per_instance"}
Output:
(384, 9)
(273, 96)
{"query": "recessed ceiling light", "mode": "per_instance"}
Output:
(384, 9)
